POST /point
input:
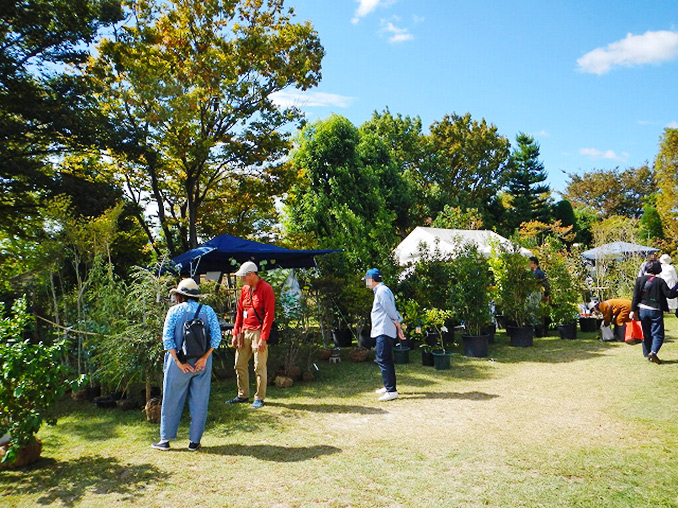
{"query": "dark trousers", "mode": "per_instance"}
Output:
(385, 362)
(652, 322)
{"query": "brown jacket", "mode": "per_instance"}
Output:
(617, 309)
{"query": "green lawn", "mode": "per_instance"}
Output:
(564, 423)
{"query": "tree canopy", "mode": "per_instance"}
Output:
(188, 88)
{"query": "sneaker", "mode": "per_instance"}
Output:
(257, 404)
(388, 396)
(238, 400)
(161, 445)
(654, 358)
(380, 390)
(193, 447)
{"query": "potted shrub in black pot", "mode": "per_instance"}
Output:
(472, 299)
(565, 290)
(518, 295)
(434, 319)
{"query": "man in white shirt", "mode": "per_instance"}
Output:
(385, 327)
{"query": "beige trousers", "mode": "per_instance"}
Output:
(242, 360)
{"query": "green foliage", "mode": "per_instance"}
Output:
(339, 200)
(435, 319)
(457, 218)
(44, 106)
(516, 287)
(666, 167)
(529, 194)
(651, 228)
(33, 379)
(471, 296)
(566, 273)
(130, 318)
(430, 281)
(466, 162)
(611, 192)
(188, 87)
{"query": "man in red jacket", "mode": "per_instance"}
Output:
(253, 321)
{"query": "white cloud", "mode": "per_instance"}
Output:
(596, 154)
(672, 125)
(367, 6)
(651, 47)
(418, 19)
(541, 134)
(396, 34)
(301, 99)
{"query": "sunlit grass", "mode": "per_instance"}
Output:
(564, 423)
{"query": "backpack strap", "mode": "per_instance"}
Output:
(197, 311)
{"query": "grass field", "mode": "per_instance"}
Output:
(564, 423)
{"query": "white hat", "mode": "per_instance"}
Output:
(187, 287)
(665, 259)
(245, 268)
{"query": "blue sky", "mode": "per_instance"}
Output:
(595, 82)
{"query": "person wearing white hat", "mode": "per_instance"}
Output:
(253, 321)
(670, 276)
(186, 378)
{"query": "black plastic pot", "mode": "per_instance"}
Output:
(521, 336)
(401, 355)
(489, 331)
(441, 360)
(448, 337)
(427, 358)
(342, 338)
(364, 340)
(431, 339)
(588, 324)
(475, 345)
(568, 331)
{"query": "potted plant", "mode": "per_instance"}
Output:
(565, 292)
(435, 319)
(472, 299)
(517, 295)
(34, 377)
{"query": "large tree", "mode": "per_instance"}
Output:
(189, 85)
(406, 145)
(526, 184)
(44, 105)
(611, 192)
(338, 201)
(466, 163)
(666, 167)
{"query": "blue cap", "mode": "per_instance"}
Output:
(372, 273)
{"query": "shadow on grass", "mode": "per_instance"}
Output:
(274, 453)
(68, 482)
(330, 408)
(552, 349)
(480, 396)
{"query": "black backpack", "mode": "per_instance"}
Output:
(195, 337)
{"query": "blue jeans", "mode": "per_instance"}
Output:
(385, 362)
(652, 322)
(177, 387)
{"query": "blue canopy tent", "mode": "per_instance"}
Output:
(617, 250)
(225, 253)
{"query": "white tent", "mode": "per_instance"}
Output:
(448, 241)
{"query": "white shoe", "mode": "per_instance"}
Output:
(388, 396)
(380, 390)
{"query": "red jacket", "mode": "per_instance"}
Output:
(262, 298)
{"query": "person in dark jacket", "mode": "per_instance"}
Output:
(649, 303)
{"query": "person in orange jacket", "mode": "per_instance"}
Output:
(615, 310)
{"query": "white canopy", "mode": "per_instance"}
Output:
(448, 241)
